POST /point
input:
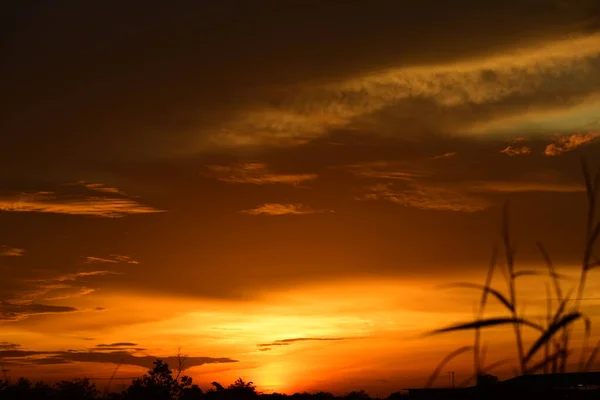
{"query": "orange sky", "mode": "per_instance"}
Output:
(280, 194)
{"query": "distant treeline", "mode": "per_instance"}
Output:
(160, 383)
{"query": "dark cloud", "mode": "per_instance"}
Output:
(158, 88)
(118, 344)
(287, 342)
(114, 357)
(130, 349)
(15, 312)
(9, 346)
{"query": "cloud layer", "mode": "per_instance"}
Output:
(13, 355)
(256, 173)
(282, 209)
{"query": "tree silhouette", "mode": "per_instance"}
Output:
(158, 384)
(357, 395)
(76, 389)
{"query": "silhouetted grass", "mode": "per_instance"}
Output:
(551, 348)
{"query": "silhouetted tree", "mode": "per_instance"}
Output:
(357, 395)
(20, 390)
(192, 393)
(242, 387)
(323, 396)
(158, 384)
(218, 386)
(76, 389)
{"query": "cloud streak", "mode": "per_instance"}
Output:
(276, 209)
(288, 342)
(17, 312)
(6, 251)
(427, 196)
(19, 356)
(50, 202)
(569, 143)
(514, 80)
(114, 259)
(256, 173)
(516, 151)
(84, 274)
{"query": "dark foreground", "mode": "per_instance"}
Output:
(161, 383)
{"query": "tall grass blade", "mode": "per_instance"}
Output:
(562, 306)
(551, 270)
(590, 192)
(485, 323)
(550, 332)
(545, 362)
(548, 322)
(592, 358)
(485, 289)
(482, 303)
(586, 341)
(510, 265)
(445, 361)
(519, 274)
(485, 370)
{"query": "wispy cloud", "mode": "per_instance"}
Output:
(50, 202)
(558, 67)
(427, 196)
(117, 344)
(100, 187)
(6, 251)
(68, 293)
(445, 155)
(90, 260)
(57, 287)
(112, 259)
(283, 209)
(287, 342)
(525, 186)
(20, 356)
(255, 173)
(516, 151)
(16, 312)
(385, 170)
(77, 275)
(568, 143)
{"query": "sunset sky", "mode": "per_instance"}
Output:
(279, 188)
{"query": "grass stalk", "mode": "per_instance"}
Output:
(510, 265)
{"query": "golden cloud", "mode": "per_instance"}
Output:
(313, 110)
(6, 251)
(568, 143)
(113, 259)
(256, 173)
(533, 186)
(283, 209)
(100, 187)
(384, 170)
(50, 202)
(516, 151)
(77, 275)
(445, 155)
(427, 196)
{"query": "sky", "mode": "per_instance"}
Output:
(277, 189)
